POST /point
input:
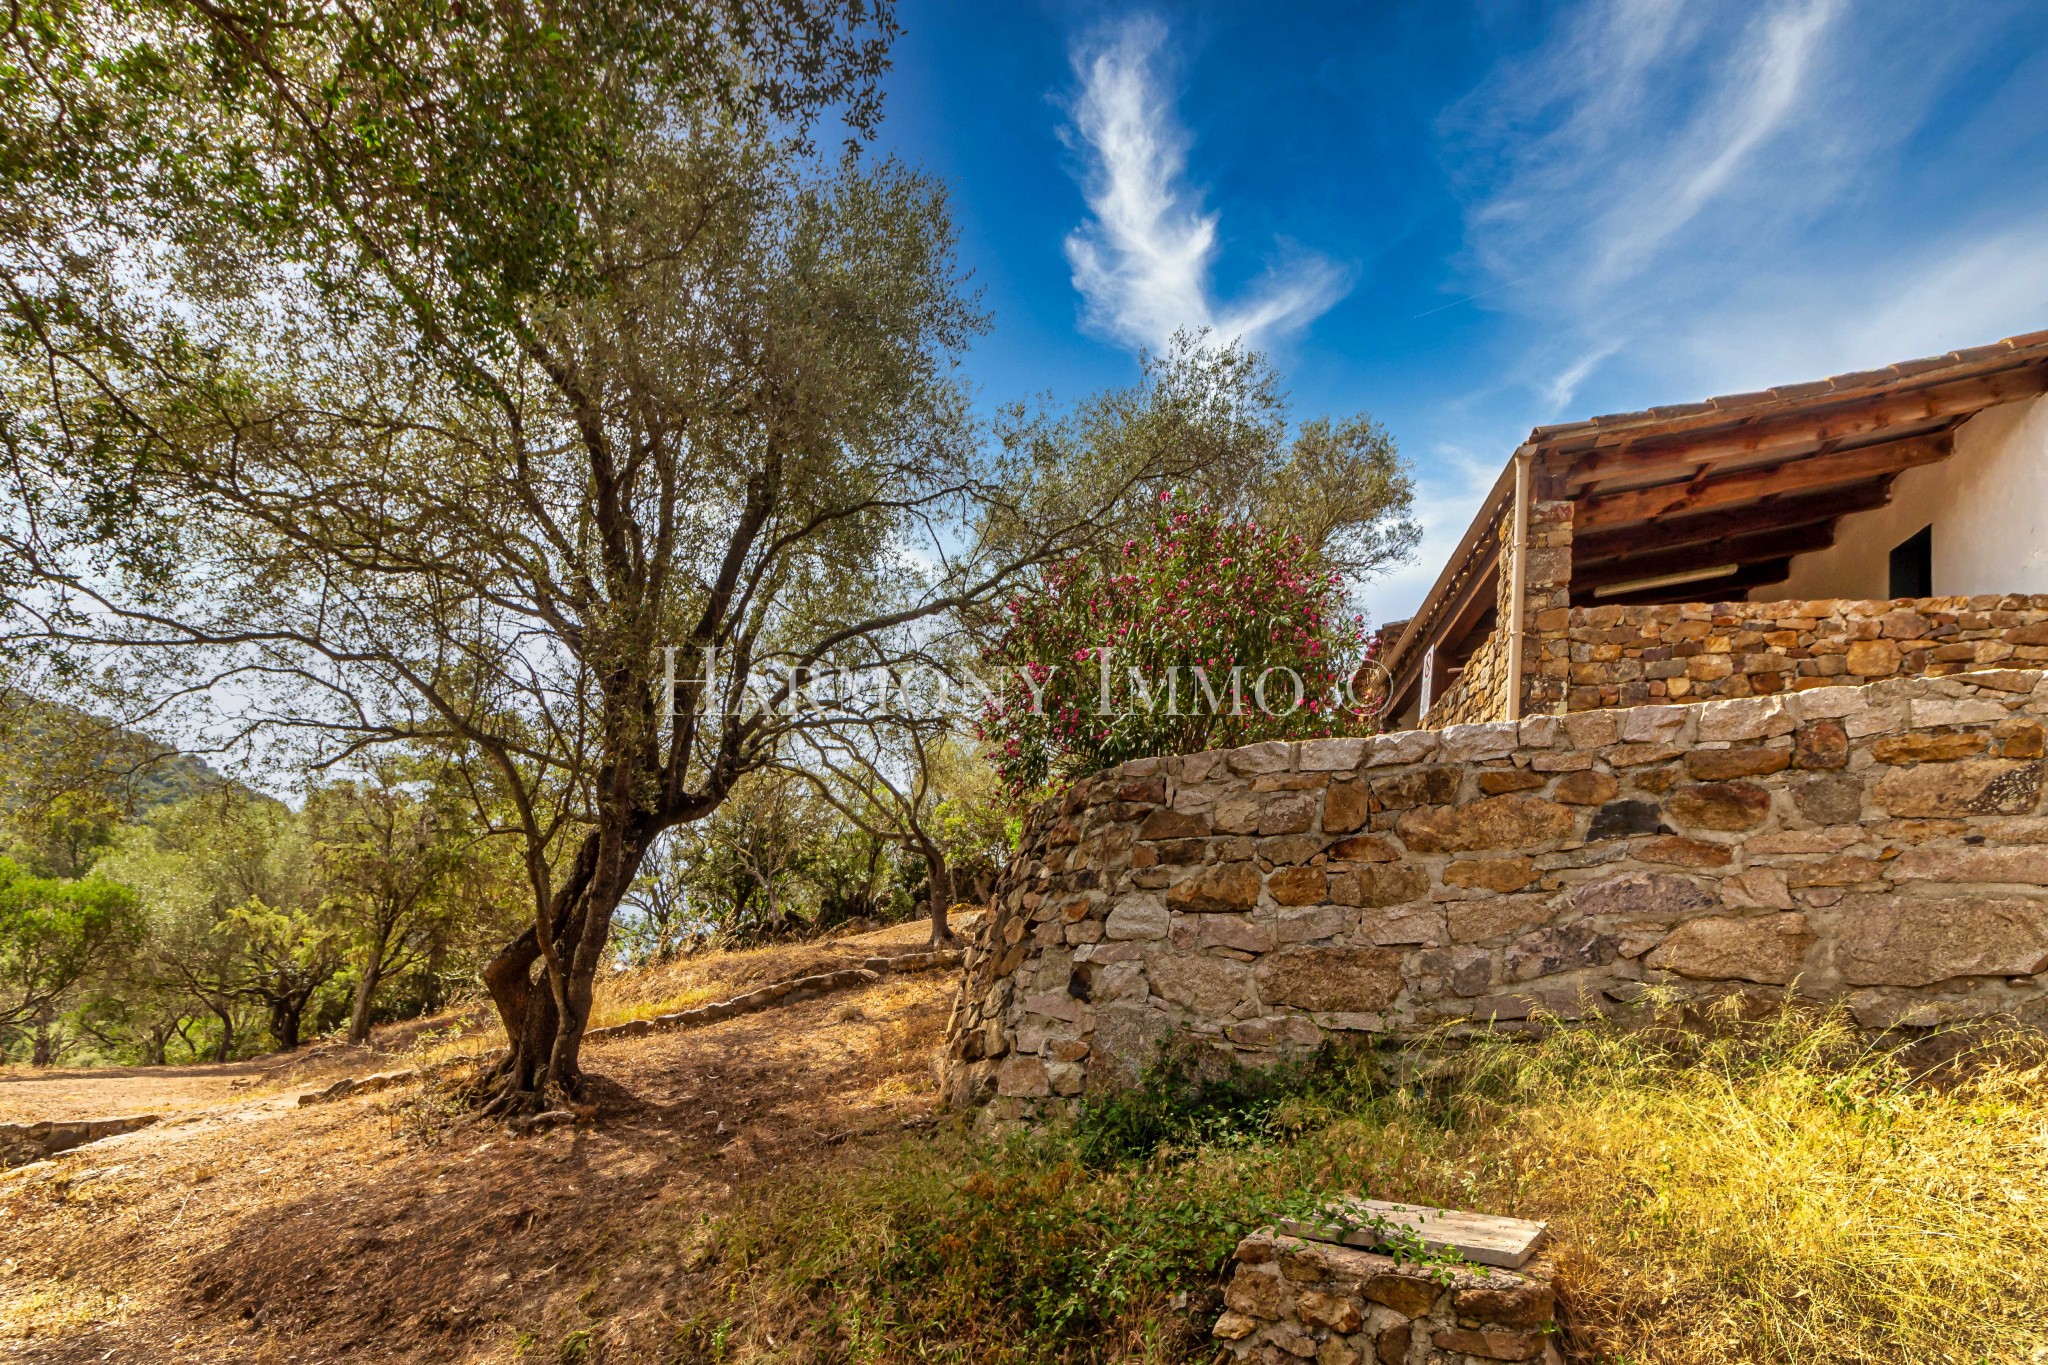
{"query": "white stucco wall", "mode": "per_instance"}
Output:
(1988, 504)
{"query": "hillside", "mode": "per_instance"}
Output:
(776, 1186)
(390, 1227)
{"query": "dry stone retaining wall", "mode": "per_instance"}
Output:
(1289, 1299)
(21, 1143)
(1640, 656)
(1887, 844)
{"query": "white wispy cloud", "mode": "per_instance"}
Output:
(1670, 199)
(1653, 163)
(1144, 262)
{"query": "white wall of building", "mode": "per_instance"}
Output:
(1988, 504)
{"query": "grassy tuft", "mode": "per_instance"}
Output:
(1775, 1191)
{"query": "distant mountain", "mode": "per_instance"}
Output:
(47, 748)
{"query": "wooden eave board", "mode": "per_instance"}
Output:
(1679, 465)
(1481, 1238)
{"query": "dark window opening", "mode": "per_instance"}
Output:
(1913, 565)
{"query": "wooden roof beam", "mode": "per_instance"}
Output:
(1668, 534)
(1727, 589)
(1751, 485)
(1635, 451)
(1749, 549)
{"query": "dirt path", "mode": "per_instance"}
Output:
(395, 1228)
(102, 1092)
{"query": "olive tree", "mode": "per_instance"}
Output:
(519, 386)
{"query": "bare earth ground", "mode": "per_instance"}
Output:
(392, 1227)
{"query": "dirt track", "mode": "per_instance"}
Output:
(393, 1227)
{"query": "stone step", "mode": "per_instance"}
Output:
(1481, 1238)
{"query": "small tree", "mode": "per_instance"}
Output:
(911, 786)
(386, 850)
(1209, 632)
(54, 934)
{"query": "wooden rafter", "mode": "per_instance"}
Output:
(1678, 445)
(1729, 589)
(1748, 485)
(1778, 543)
(1596, 547)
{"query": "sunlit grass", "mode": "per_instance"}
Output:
(1777, 1191)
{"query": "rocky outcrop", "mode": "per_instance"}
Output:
(1886, 844)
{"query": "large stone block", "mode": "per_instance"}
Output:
(1477, 743)
(1256, 1291)
(1297, 885)
(1728, 806)
(1829, 798)
(1416, 922)
(1136, 917)
(1892, 940)
(1226, 886)
(1985, 786)
(1196, 933)
(1331, 755)
(1494, 917)
(1432, 786)
(1558, 948)
(1502, 823)
(1288, 814)
(1951, 863)
(1022, 1077)
(1347, 806)
(1768, 949)
(1378, 884)
(1167, 824)
(1207, 986)
(1490, 874)
(1341, 979)
(1621, 819)
(1587, 787)
(1643, 895)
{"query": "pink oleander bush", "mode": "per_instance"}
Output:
(1207, 633)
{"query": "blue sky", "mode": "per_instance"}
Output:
(1471, 219)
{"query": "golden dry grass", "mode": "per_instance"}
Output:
(1777, 1191)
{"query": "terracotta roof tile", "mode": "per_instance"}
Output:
(1722, 402)
(1857, 379)
(1809, 390)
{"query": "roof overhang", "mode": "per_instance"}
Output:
(1737, 484)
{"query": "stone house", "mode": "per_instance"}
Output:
(1888, 523)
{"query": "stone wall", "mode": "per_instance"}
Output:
(21, 1143)
(1640, 656)
(1887, 844)
(1481, 691)
(1289, 1299)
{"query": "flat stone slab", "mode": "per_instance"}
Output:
(1481, 1238)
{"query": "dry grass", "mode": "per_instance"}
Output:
(770, 1188)
(1765, 1192)
(395, 1227)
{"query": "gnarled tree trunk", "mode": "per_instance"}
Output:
(543, 997)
